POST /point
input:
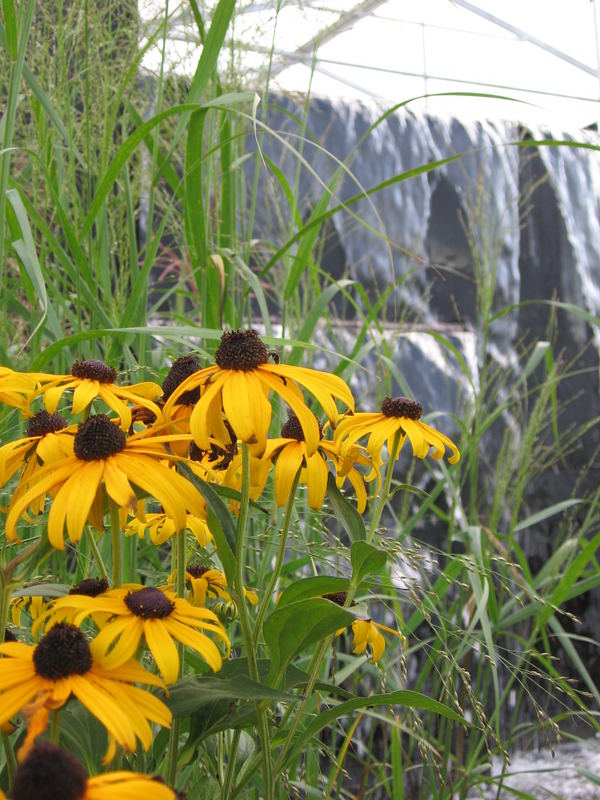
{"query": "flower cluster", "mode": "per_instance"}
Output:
(95, 452)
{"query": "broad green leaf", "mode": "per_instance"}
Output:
(43, 590)
(366, 560)
(293, 628)
(345, 511)
(190, 694)
(315, 586)
(399, 698)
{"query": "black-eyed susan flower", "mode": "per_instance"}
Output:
(34, 605)
(48, 438)
(208, 582)
(40, 678)
(161, 527)
(92, 378)
(158, 616)
(398, 414)
(17, 388)
(68, 611)
(290, 454)
(105, 459)
(237, 390)
(49, 772)
(365, 632)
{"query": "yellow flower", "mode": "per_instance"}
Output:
(104, 457)
(161, 527)
(43, 677)
(69, 610)
(48, 765)
(397, 414)
(48, 439)
(237, 390)
(159, 616)
(92, 378)
(366, 632)
(292, 454)
(208, 582)
(35, 605)
(17, 388)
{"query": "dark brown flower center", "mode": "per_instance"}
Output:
(339, 598)
(91, 587)
(43, 423)
(63, 651)
(49, 773)
(197, 571)
(401, 407)
(292, 429)
(181, 369)
(94, 370)
(149, 603)
(98, 438)
(241, 350)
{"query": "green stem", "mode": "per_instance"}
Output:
(263, 728)
(178, 562)
(11, 761)
(115, 532)
(96, 552)
(55, 725)
(314, 670)
(228, 783)
(262, 609)
(385, 492)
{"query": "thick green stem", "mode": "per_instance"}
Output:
(115, 533)
(96, 552)
(262, 609)
(263, 728)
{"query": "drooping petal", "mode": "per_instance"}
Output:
(307, 420)
(287, 465)
(163, 648)
(117, 485)
(83, 394)
(316, 480)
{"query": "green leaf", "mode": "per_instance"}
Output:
(316, 313)
(132, 141)
(190, 694)
(43, 590)
(547, 512)
(315, 586)
(10, 21)
(291, 629)
(27, 252)
(399, 698)
(366, 560)
(220, 522)
(345, 511)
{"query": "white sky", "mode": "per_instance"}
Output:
(384, 55)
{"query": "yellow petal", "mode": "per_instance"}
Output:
(287, 465)
(163, 649)
(83, 394)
